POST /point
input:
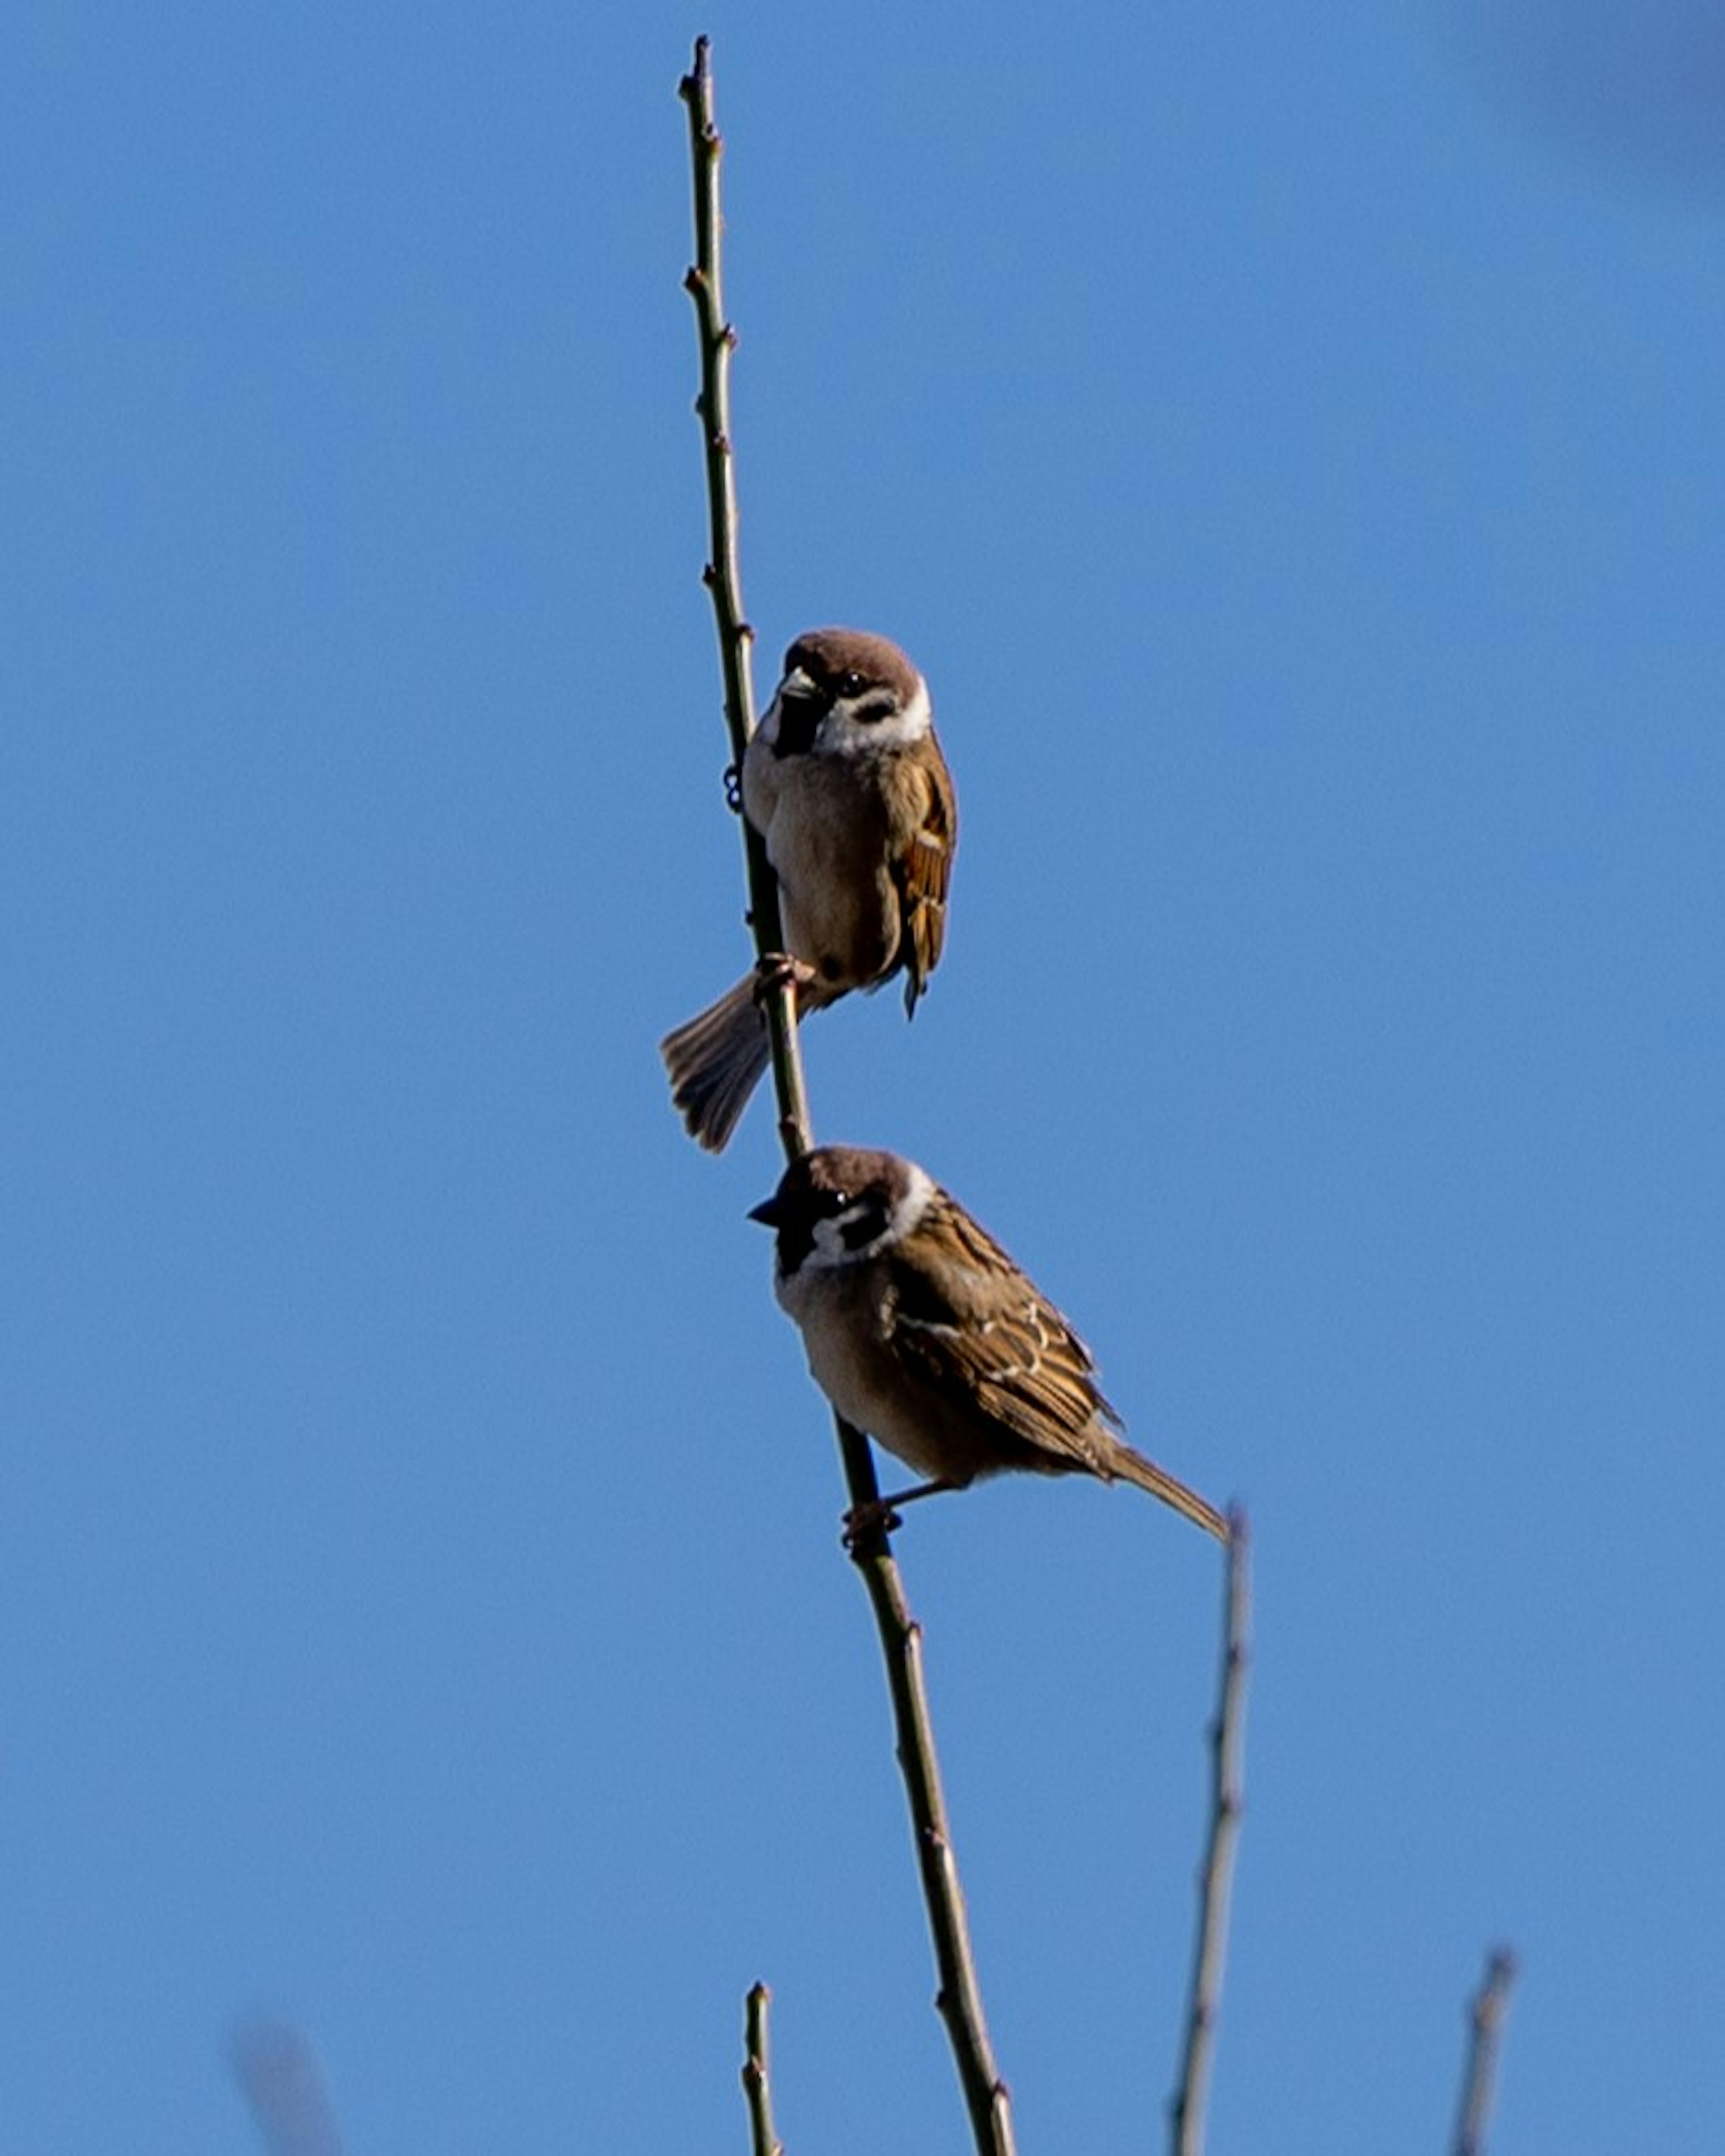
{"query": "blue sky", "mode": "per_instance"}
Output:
(1292, 449)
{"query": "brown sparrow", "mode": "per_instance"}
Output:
(921, 1332)
(844, 780)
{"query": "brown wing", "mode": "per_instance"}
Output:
(924, 869)
(972, 1328)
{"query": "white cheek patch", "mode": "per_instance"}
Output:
(828, 1249)
(907, 1215)
(842, 734)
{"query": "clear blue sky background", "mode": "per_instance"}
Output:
(1292, 446)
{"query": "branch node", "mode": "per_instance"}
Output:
(757, 2084)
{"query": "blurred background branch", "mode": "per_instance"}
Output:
(1215, 1876)
(1479, 2080)
(282, 2083)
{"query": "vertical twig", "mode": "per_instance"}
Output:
(1484, 2015)
(1228, 1742)
(757, 2087)
(705, 284)
(960, 1998)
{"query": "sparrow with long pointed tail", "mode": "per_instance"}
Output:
(923, 1333)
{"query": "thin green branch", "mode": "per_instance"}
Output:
(1186, 2112)
(1485, 2014)
(960, 1998)
(756, 2088)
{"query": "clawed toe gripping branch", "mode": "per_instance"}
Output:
(867, 1527)
(779, 969)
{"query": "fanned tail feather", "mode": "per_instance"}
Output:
(715, 1062)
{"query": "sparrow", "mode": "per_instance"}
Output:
(845, 782)
(921, 1332)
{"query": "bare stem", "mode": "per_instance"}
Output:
(723, 574)
(756, 2088)
(1216, 1878)
(959, 1999)
(1484, 2015)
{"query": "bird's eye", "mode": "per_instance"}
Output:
(849, 684)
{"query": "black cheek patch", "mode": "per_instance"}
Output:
(798, 718)
(795, 1232)
(866, 1224)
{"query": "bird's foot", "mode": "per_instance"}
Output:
(779, 969)
(871, 1522)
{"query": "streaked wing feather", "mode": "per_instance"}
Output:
(975, 1330)
(922, 873)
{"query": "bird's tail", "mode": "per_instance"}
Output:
(715, 1062)
(1131, 1466)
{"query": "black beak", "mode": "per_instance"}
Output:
(767, 1212)
(800, 712)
